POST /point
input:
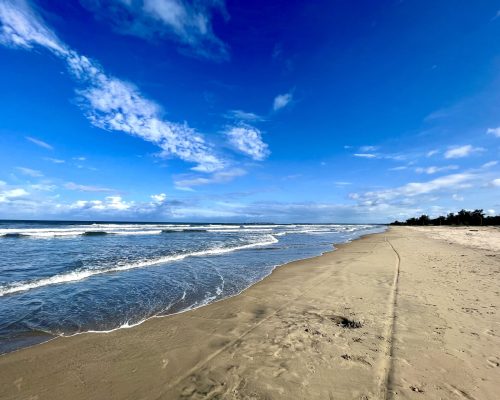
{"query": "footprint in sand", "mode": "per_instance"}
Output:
(416, 389)
(356, 359)
(493, 362)
(311, 367)
(18, 382)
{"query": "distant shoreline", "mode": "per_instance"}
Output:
(50, 221)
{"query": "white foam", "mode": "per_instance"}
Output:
(155, 232)
(239, 230)
(196, 305)
(155, 229)
(73, 232)
(86, 273)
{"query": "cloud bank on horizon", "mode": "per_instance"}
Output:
(225, 138)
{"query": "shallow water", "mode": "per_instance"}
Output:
(62, 278)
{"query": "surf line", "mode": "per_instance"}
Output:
(79, 275)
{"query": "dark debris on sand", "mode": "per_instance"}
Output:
(346, 322)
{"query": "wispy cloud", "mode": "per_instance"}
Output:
(21, 27)
(342, 183)
(365, 155)
(87, 188)
(282, 100)
(109, 103)
(36, 141)
(113, 104)
(29, 172)
(187, 183)
(248, 140)
(412, 189)
(366, 149)
(462, 151)
(432, 153)
(187, 22)
(44, 187)
(241, 115)
(494, 132)
(54, 160)
(434, 170)
(489, 164)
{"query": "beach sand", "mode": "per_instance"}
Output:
(411, 313)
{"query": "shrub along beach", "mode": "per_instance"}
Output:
(463, 217)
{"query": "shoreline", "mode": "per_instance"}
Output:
(51, 336)
(317, 328)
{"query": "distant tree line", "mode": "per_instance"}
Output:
(463, 217)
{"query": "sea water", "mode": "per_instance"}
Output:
(65, 278)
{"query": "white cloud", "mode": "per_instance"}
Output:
(461, 151)
(54, 160)
(457, 197)
(87, 188)
(494, 131)
(496, 182)
(110, 203)
(29, 172)
(364, 155)
(185, 188)
(400, 168)
(248, 140)
(21, 27)
(112, 104)
(15, 193)
(243, 116)
(44, 187)
(432, 152)
(365, 149)
(159, 198)
(433, 170)
(187, 22)
(38, 142)
(281, 101)
(187, 183)
(9, 194)
(489, 164)
(412, 189)
(108, 102)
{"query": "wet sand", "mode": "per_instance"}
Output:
(401, 314)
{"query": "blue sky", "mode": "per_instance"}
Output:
(175, 110)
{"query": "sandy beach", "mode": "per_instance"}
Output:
(411, 313)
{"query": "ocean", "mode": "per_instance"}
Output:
(65, 278)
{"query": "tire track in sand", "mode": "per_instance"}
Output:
(386, 363)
